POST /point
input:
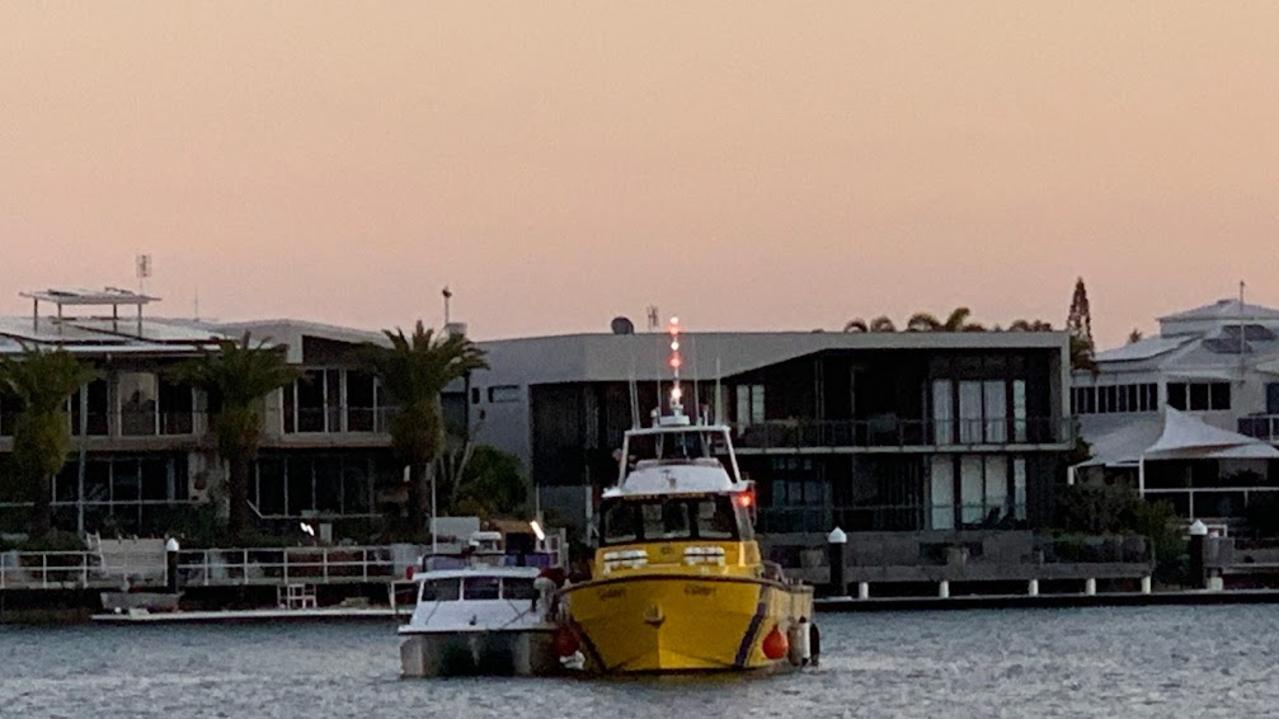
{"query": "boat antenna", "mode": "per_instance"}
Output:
(697, 398)
(719, 394)
(676, 360)
(635, 415)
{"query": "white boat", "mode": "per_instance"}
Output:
(480, 619)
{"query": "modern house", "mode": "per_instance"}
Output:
(1190, 416)
(143, 452)
(911, 432)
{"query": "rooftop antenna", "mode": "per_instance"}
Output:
(448, 295)
(197, 302)
(652, 318)
(142, 268)
(635, 413)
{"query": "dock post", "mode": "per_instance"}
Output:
(171, 549)
(1090, 586)
(1032, 588)
(863, 590)
(1145, 585)
(837, 557)
(1198, 547)
(943, 589)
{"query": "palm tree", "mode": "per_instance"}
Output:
(236, 377)
(856, 325)
(1030, 326)
(1135, 336)
(956, 321)
(880, 324)
(42, 382)
(413, 371)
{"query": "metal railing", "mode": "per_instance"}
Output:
(889, 518)
(288, 565)
(1260, 426)
(198, 567)
(901, 433)
(79, 570)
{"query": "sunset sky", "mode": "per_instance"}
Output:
(778, 165)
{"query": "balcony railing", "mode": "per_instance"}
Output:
(901, 433)
(1260, 426)
(889, 517)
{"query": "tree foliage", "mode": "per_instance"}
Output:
(414, 370)
(41, 382)
(1119, 509)
(492, 484)
(956, 321)
(236, 377)
(1079, 325)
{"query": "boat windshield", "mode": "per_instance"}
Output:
(674, 446)
(441, 590)
(632, 520)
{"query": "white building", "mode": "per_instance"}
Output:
(1218, 364)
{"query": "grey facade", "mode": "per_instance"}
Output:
(905, 432)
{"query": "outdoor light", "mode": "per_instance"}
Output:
(537, 530)
(307, 529)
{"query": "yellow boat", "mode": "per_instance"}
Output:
(677, 582)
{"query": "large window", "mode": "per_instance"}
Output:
(139, 400)
(312, 484)
(1114, 399)
(123, 495)
(977, 491)
(333, 400)
(750, 403)
(1199, 396)
(93, 398)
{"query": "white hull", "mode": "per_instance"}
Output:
(521, 652)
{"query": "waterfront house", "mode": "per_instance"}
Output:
(1208, 383)
(919, 436)
(143, 454)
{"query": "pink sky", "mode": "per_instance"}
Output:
(747, 165)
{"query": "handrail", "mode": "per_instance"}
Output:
(889, 432)
(203, 567)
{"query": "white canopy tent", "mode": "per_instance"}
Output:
(1178, 436)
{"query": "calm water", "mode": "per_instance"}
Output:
(1165, 661)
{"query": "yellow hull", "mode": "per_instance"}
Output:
(682, 622)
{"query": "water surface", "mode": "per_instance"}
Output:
(1137, 661)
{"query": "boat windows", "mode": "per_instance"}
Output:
(440, 590)
(667, 520)
(518, 588)
(480, 588)
(620, 524)
(657, 519)
(716, 519)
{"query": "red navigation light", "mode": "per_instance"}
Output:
(745, 499)
(676, 362)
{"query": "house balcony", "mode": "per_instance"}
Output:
(140, 431)
(842, 436)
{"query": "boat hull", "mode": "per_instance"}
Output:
(683, 623)
(523, 652)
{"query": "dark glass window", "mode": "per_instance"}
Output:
(1177, 395)
(359, 401)
(310, 394)
(715, 518)
(480, 588)
(1152, 397)
(300, 486)
(155, 479)
(441, 590)
(271, 486)
(518, 588)
(1198, 397)
(1220, 395)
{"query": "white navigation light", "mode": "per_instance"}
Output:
(537, 530)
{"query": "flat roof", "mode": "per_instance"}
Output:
(80, 296)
